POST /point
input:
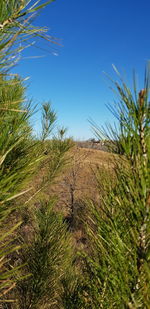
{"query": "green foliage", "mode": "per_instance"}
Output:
(48, 258)
(117, 265)
(16, 29)
(36, 265)
(21, 157)
(20, 154)
(17, 148)
(48, 120)
(123, 236)
(16, 160)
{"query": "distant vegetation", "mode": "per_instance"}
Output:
(75, 224)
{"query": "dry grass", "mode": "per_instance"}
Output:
(76, 183)
(79, 179)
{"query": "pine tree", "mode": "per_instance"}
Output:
(121, 237)
(21, 154)
(116, 268)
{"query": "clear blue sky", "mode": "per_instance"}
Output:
(95, 34)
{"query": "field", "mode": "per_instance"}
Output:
(78, 179)
(74, 215)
